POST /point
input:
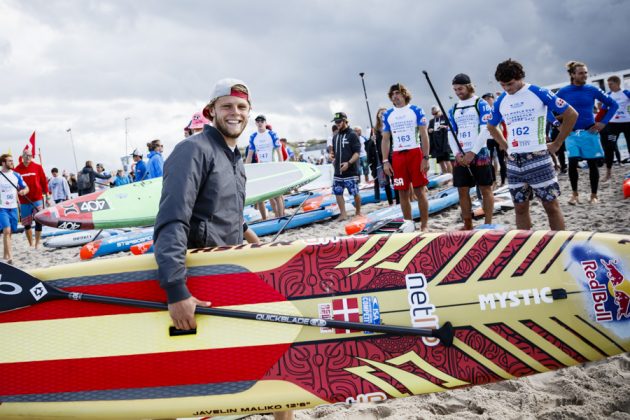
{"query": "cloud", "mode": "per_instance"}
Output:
(90, 64)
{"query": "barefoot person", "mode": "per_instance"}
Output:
(405, 127)
(584, 142)
(530, 169)
(473, 167)
(11, 185)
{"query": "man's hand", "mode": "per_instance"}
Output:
(387, 168)
(468, 158)
(459, 158)
(553, 147)
(425, 165)
(183, 312)
(596, 128)
(344, 166)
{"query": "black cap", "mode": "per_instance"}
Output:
(340, 116)
(488, 95)
(461, 79)
(261, 117)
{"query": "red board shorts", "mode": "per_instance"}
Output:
(407, 166)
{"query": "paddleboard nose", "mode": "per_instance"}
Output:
(88, 250)
(46, 217)
(356, 226)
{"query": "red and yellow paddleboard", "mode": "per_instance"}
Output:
(520, 302)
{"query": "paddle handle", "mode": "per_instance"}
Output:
(445, 333)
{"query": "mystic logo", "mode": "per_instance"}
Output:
(513, 298)
(38, 291)
(94, 205)
(69, 225)
(420, 308)
(517, 104)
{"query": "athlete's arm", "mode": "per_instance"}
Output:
(250, 156)
(568, 119)
(385, 143)
(609, 103)
(424, 139)
(497, 135)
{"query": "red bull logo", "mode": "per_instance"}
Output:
(618, 287)
(615, 286)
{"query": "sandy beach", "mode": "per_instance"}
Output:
(594, 390)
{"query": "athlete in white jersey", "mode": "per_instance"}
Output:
(403, 127)
(620, 122)
(530, 169)
(11, 185)
(473, 167)
(264, 142)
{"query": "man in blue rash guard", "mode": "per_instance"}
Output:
(584, 142)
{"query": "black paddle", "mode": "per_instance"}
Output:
(19, 289)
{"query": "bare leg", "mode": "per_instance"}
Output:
(342, 207)
(423, 206)
(554, 213)
(283, 415)
(405, 203)
(6, 239)
(523, 220)
(262, 209)
(29, 236)
(488, 202)
(274, 207)
(466, 207)
(279, 205)
(38, 236)
(357, 205)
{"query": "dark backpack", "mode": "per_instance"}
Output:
(83, 181)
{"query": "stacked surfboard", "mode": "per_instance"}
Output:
(520, 303)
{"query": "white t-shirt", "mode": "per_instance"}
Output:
(263, 144)
(8, 193)
(525, 114)
(403, 124)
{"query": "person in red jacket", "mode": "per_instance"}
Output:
(35, 178)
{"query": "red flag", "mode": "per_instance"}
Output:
(30, 146)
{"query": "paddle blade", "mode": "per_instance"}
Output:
(19, 289)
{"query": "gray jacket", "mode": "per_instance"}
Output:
(203, 196)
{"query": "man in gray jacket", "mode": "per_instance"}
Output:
(203, 196)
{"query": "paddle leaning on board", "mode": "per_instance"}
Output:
(18, 289)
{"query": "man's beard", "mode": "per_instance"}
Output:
(228, 131)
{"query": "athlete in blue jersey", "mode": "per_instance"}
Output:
(530, 170)
(11, 186)
(473, 166)
(584, 142)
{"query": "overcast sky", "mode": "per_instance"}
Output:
(88, 65)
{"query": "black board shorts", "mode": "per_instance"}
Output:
(482, 175)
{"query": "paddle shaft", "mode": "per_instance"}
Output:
(292, 216)
(443, 333)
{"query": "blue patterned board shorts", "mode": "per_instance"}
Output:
(532, 173)
(351, 184)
